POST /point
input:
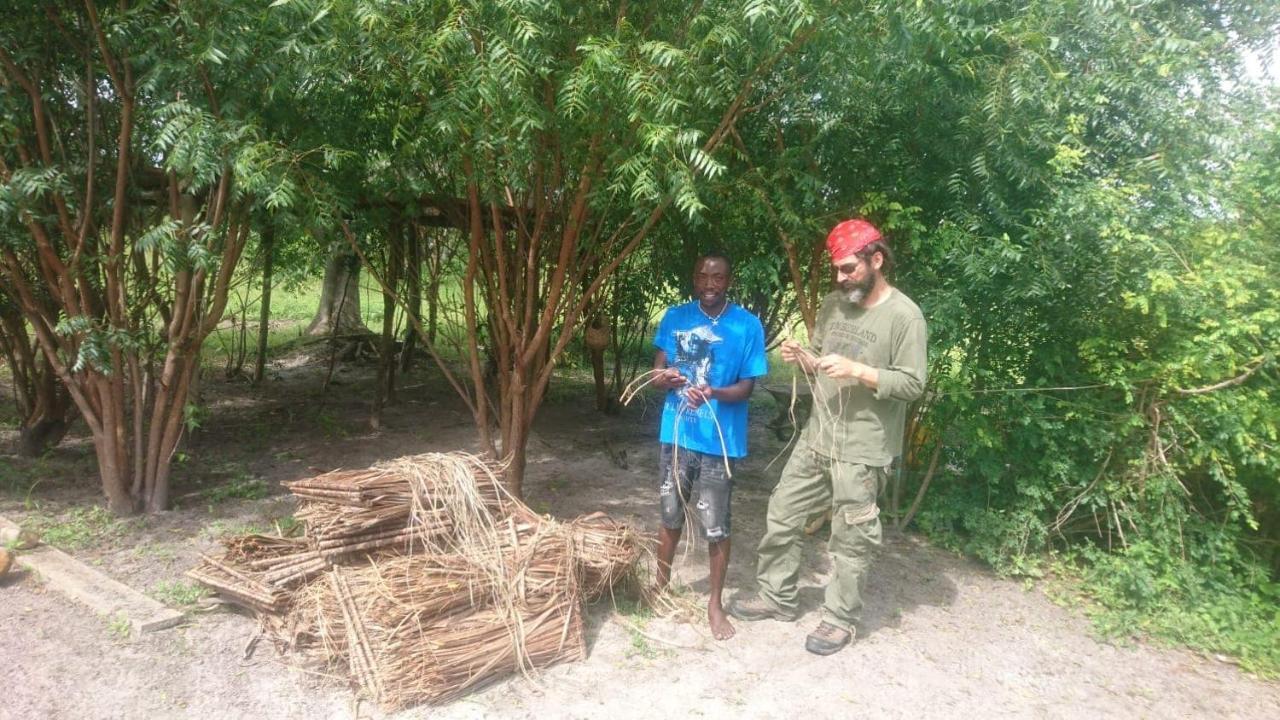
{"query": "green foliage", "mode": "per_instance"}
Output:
(120, 628)
(178, 593)
(240, 486)
(1219, 601)
(1082, 196)
(79, 528)
(1090, 245)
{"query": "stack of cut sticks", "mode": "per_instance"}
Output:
(423, 578)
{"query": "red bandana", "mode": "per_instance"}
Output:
(849, 237)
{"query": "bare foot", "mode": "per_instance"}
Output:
(721, 628)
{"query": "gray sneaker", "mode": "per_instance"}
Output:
(827, 639)
(757, 608)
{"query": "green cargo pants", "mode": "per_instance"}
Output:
(811, 482)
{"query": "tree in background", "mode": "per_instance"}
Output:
(133, 153)
(567, 130)
(45, 410)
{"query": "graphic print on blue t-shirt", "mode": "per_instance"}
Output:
(712, 354)
(695, 355)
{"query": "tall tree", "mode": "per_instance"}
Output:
(131, 158)
(567, 130)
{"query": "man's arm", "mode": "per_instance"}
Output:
(903, 379)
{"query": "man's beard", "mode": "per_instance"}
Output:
(855, 291)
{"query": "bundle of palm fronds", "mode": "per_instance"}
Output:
(258, 570)
(606, 551)
(423, 578)
(392, 501)
(425, 627)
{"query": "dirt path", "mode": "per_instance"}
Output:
(943, 637)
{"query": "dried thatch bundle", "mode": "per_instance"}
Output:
(422, 627)
(405, 494)
(606, 551)
(469, 650)
(258, 570)
(436, 581)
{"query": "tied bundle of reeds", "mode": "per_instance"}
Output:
(392, 501)
(606, 551)
(257, 570)
(424, 627)
(424, 578)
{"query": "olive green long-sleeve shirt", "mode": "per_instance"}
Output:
(852, 422)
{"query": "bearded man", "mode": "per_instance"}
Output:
(869, 357)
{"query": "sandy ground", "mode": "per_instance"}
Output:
(942, 637)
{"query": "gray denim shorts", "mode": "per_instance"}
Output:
(700, 473)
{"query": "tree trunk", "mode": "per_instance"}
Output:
(596, 338)
(386, 351)
(436, 258)
(45, 410)
(339, 309)
(264, 315)
(413, 279)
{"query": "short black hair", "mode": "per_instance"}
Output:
(714, 255)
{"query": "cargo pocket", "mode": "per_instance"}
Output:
(858, 514)
(854, 490)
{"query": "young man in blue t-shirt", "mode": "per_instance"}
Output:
(711, 351)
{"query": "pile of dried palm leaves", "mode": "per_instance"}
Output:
(423, 578)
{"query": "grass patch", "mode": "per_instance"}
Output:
(120, 628)
(331, 426)
(163, 553)
(636, 615)
(80, 528)
(288, 526)
(241, 487)
(1219, 612)
(177, 593)
(219, 529)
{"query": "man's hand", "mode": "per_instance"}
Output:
(696, 396)
(669, 379)
(794, 352)
(839, 367)
(790, 351)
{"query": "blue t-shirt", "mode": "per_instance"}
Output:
(710, 353)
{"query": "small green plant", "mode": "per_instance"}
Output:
(120, 628)
(242, 487)
(155, 551)
(79, 528)
(194, 416)
(330, 425)
(287, 526)
(219, 529)
(640, 646)
(178, 593)
(636, 615)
